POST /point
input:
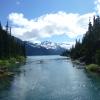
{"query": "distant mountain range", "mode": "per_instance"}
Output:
(45, 48)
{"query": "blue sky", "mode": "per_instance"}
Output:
(36, 8)
(54, 20)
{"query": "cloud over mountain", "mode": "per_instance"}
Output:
(48, 25)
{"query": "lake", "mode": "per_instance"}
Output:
(50, 78)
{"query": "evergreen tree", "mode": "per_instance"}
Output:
(89, 49)
(10, 46)
(7, 26)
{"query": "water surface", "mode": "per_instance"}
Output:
(50, 78)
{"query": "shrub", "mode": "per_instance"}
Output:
(12, 60)
(20, 59)
(4, 63)
(97, 57)
(92, 67)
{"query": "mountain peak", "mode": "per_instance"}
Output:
(49, 45)
(46, 48)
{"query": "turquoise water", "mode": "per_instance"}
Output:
(50, 78)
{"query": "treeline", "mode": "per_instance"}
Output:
(88, 50)
(10, 46)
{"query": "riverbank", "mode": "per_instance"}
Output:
(94, 68)
(6, 64)
(54, 79)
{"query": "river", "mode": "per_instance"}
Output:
(50, 78)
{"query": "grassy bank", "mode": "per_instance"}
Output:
(5, 64)
(93, 68)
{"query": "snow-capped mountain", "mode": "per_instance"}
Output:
(49, 45)
(45, 48)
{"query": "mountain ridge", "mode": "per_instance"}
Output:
(45, 48)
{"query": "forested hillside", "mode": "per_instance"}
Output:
(88, 50)
(10, 46)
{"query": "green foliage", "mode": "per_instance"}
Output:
(10, 46)
(20, 59)
(97, 57)
(12, 60)
(4, 63)
(92, 67)
(12, 50)
(65, 53)
(75, 51)
(88, 50)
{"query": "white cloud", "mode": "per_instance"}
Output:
(71, 24)
(97, 8)
(68, 45)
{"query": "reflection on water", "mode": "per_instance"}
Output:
(50, 78)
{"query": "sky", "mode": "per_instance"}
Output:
(48, 20)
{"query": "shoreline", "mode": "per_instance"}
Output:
(6, 64)
(94, 68)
